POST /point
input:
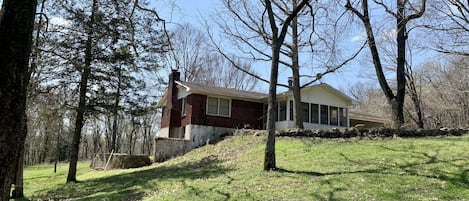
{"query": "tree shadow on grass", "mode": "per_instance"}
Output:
(458, 178)
(422, 167)
(131, 186)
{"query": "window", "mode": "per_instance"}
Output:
(333, 114)
(305, 110)
(343, 117)
(282, 114)
(183, 106)
(314, 113)
(324, 114)
(224, 107)
(212, 106)
(218, 106)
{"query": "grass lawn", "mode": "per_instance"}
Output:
(309, 169)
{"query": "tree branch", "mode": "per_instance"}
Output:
(333, 69)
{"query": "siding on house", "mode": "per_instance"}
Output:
(243, 114)
(322, 95)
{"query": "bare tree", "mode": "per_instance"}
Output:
(192, 55)
(278, 36)
(220, 71)
(189, 50)
(446, 92)
(314, 32)
(388, 47)
(449, 24)
(396, 101)
(413, 93)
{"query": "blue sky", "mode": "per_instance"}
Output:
(194, 11)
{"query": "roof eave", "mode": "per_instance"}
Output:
(259, 100)
(163, 100)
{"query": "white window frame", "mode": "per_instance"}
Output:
(218, 107)
(183, 106)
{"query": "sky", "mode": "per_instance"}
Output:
(194, 11)
(177, 12)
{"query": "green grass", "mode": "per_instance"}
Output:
(309, 169)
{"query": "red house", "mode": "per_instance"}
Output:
(197, 112)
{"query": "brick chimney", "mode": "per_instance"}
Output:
(290, 82)
(174, 76)
(171, 111)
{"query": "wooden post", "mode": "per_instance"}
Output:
(109, 159)
(206, 146)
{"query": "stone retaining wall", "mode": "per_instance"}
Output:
(166, 148)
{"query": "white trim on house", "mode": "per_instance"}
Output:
(321, 95)
(182, 92)
(224, 93)
(183, 106)
(287, 123)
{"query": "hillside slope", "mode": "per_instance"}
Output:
(310, 169)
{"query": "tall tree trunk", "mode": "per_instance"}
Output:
(16, 27)
(144, 135)
(115, 112)
(45, 148)
(269, 158)
(147, 141)
(72, 171)
(401, 61)
(18, 191)
(277, 41)
(298, 116)
(395, 101)
(377, 63)
(108, 132)
(96, 137)
(57, 146)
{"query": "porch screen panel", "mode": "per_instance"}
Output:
(333, 114)
(224, 107)
(282, 111)
(305, 109)
(212, 105)
(315, 113)
(343, 117)
(324, 114)
(291, 110)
